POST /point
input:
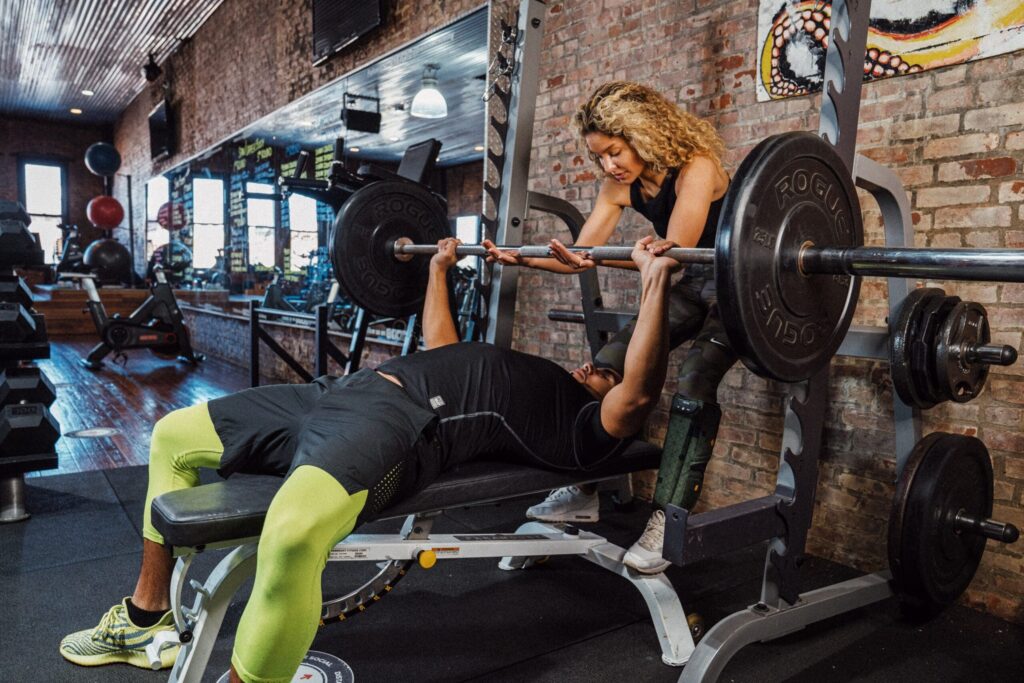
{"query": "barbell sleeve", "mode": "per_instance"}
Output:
(986, 265)
(1004, 532)
(994, 354)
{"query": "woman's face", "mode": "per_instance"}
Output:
(618, 159)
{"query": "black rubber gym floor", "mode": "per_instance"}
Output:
(465, 620)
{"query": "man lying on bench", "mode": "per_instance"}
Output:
(352, 445)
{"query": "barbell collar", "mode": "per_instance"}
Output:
(402, 247)
(1004, 532)
(984, 265)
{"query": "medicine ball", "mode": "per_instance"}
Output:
(109, 260)
(105, 212)
(102, 159)
(172, 216)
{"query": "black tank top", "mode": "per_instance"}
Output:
(659, 208)
(503, 404)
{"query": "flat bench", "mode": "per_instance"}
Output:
(231, 514)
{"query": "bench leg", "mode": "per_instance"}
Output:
(662, 602)
(206, 617)
(666, 611)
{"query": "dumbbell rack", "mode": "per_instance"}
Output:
(28, 431)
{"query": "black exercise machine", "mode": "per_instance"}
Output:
(71, 251)
(157, 324)
(415, 168)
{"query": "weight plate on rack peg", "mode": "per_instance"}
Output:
(902, 333)
(965, 327)
(922, 350)
(933, 561)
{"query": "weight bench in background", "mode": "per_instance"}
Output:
(230, 514)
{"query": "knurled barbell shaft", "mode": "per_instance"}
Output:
(988, 265)
(540, 251)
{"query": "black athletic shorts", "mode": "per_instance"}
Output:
(362, 429)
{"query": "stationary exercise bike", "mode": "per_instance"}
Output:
(70, 259)
(157, 324)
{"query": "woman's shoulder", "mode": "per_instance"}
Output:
(705, 169)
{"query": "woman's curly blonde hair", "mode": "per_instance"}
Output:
(662, 134)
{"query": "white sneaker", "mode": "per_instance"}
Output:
(567, 504)
(645, 555)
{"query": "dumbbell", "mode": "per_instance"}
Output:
(14, 290)
(25, 385)
(26, 429)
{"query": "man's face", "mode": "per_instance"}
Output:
(598, 381)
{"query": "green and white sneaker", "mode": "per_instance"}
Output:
(117, 639)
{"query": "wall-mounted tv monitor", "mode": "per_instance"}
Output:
(337, 23)
(161, 131)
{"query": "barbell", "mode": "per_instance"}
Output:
(788, 254)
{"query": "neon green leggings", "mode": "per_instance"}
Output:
(309, 515)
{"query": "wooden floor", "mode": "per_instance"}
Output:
(128, 399)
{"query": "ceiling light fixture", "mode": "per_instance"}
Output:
(429, 103)
(88, 93)
(478, 148)
(76, 111)
(353, 149)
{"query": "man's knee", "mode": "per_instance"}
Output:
(165, 439)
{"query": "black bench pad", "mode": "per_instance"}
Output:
(235, 508)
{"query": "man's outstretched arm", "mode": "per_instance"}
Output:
(438, 326)
(625, 408)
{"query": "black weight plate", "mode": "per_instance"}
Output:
(364, 231)
(965, 326)
(922, 350)
(932, 563)
(792, 189)
(901, 335)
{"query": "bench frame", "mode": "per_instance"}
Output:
(199, 625)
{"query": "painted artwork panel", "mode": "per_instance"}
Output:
(904, 36)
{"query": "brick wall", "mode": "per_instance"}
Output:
(57, 141)
(956, 138)
(465, 188)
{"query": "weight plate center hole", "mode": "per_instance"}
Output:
(801, 294)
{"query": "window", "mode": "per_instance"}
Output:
(303, 238)
(262, 221)
(467, 229)
(208, 223)
(158, 193)
(43, 192)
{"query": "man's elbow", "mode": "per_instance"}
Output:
(631, 416)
